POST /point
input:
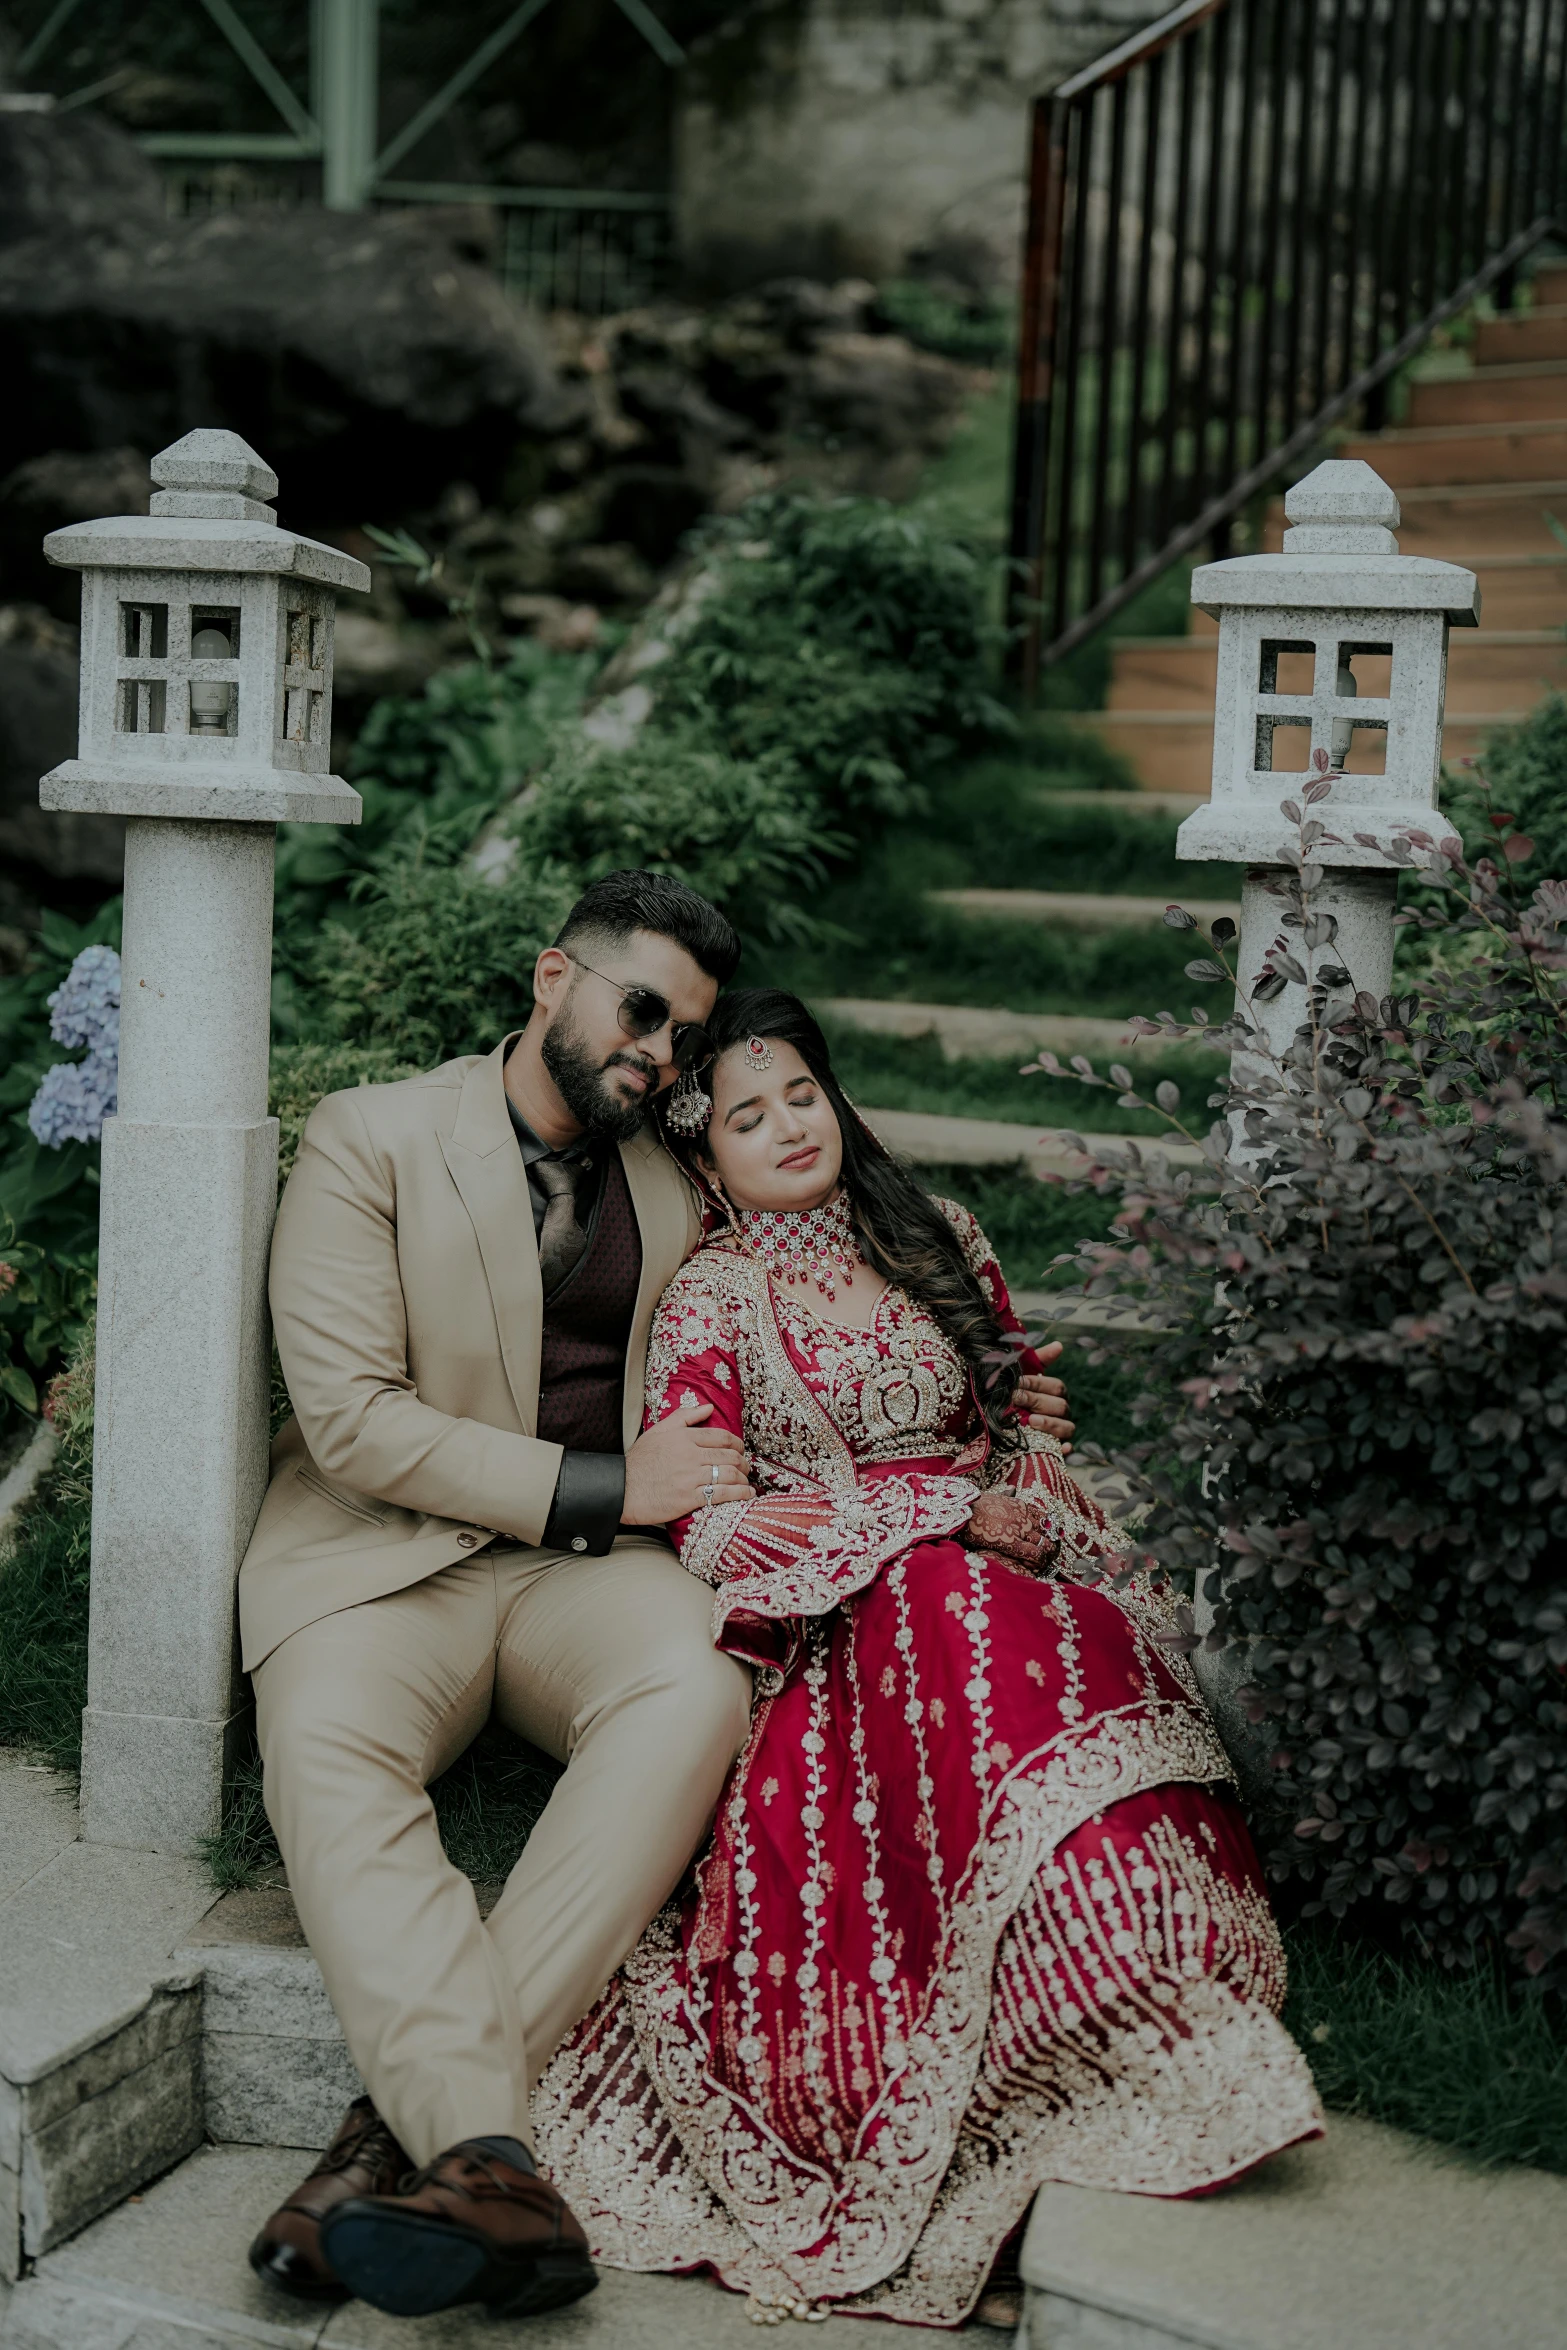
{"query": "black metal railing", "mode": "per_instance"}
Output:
(1241, 222)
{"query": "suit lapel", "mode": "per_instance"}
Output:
(661, 1198)
(486, 1166)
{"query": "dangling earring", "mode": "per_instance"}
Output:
(689, 1107)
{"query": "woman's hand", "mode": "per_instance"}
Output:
(1014, 1528)
(1041, 1403)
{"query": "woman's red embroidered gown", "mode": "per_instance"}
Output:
(978, 1909)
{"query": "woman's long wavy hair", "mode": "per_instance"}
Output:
(904, 1235)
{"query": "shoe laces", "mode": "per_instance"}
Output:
(471, 2161)
(373, 2144)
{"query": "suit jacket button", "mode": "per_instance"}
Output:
(579, 1542)
(467, 1541)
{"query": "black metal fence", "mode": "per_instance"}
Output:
(1240, 223)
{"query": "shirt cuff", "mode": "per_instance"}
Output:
(590, 1493)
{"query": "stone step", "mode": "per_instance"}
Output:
(1440, 454)
(1540, 333)
(1464, 521)
(1071, 909)
(968, 1033)
(931, 1141)
(1176, 804)
(100, 2032)
(1496, 394)
(168, 2272)
(1367, 2238)
(1172, 750)
(1490, 669)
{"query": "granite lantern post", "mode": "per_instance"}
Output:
(1337, 647)
(206, 701)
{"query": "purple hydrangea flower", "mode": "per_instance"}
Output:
(76, 1096)
(85, 1007)
(73, 1101)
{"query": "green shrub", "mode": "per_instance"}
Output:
(302, 1073)
(748, 833)
(848, 636)
(1524, 775)
(1365, 1352)
(43, 1586)
(45, 1304)
(434, 959)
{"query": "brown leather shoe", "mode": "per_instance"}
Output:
(471, 2226)
(363, 2159)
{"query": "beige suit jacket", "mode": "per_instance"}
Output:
(409, 1313)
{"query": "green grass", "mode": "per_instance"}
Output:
(43, 1629)
(486, 1807)
(1000, 821)
(1476, 2060)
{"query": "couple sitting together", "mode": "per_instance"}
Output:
(642, 1401)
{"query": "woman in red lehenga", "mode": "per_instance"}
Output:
(978, 1910)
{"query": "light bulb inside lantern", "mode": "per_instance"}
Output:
(210, 702)
(1344, 728)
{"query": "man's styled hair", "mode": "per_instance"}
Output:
(608, 913)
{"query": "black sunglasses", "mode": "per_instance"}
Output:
(643, 1012)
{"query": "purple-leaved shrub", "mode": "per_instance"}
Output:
(1353, 1394)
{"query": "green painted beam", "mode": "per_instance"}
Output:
(230, 146)
(538, 199)
(461, 81)
(260, 67)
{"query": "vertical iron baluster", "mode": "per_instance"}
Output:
(1106, 438)
(1188, 58)
(1405, 244)
(1305, 149)
(1065, 455)
(1038, 322)
(1240, 239)
(1482, 214)
(1394, 49)
(1202, 386)
(1354, 225)
(1327, 207)
(1529, 194)
(1553, 191)
(1281, 23)
(1152, 81)
(1459, 169)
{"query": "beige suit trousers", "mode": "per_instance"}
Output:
(605, 1663)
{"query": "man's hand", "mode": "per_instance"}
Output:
(668, 1469)
(1041, 1403)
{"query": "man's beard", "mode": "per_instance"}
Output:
(584, 1084)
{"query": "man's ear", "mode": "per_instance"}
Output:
(551, 974)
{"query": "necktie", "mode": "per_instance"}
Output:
(561, 1238)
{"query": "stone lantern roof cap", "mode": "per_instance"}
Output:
(208, 514)
(210, 460)
(1340, 552)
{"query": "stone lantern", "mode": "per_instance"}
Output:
(1337, 646)
(206, 706)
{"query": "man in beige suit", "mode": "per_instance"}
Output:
(464, 1518)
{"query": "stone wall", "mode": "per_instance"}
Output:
(836, 138)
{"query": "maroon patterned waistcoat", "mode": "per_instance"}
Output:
(587, 1323)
